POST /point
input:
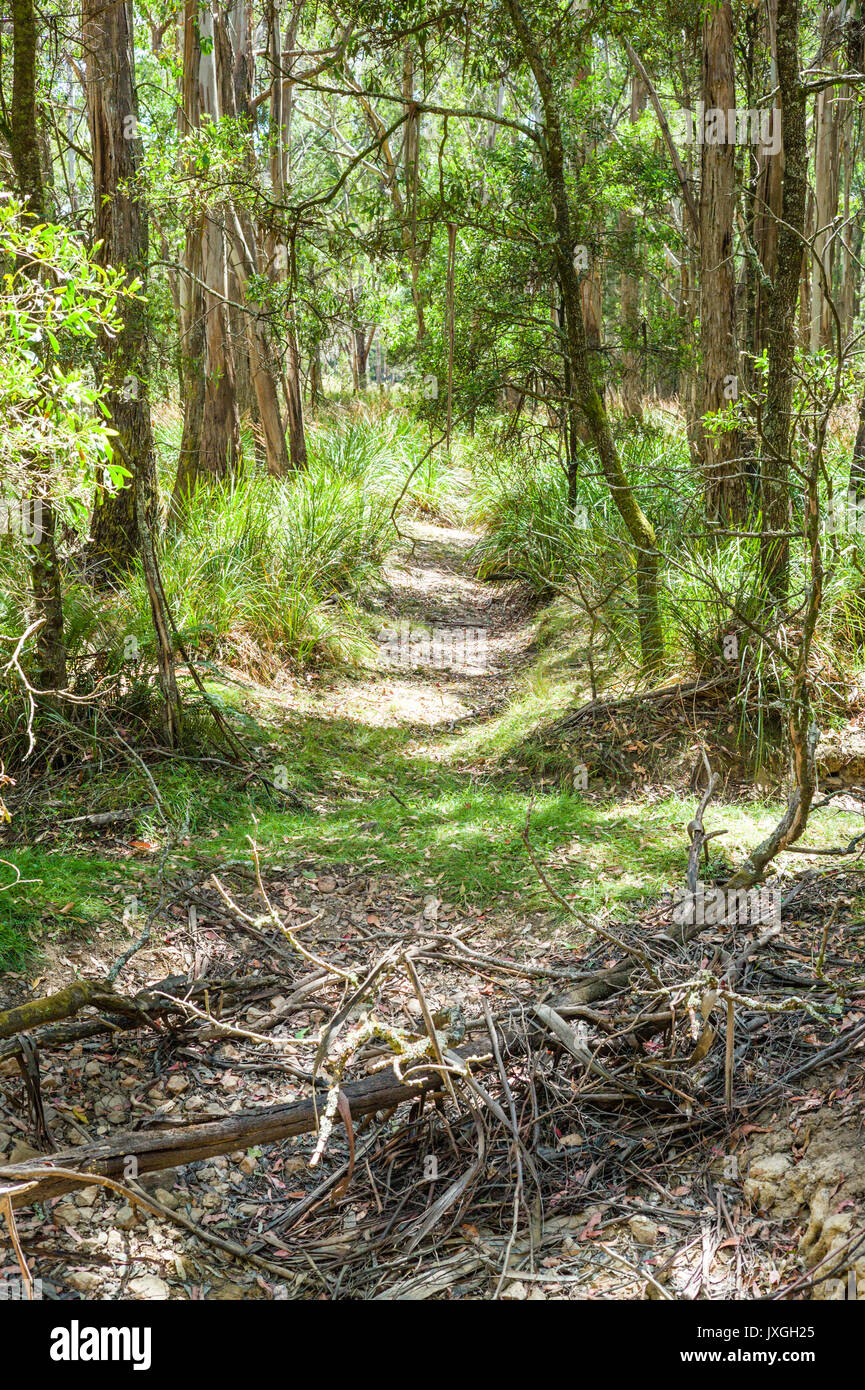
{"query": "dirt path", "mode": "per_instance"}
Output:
(450, 646)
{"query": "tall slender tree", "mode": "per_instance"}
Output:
(50, 650)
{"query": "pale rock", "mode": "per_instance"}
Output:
(643, 1229)
(23, 1153)
(516, 1290)
(67, 1214)
(149, 1286)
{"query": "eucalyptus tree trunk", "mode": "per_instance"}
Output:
(281, 257)
(828, 121)
(191, 285)
(120, 228)
(403, 185)
(629, 290)
(777, 419)
(211, 434)
(220, 432)
(725, 492)
(763, 191)
(124, 521)
(258, 350)
(49, 648)
(589, 399)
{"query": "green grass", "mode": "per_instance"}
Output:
(384, 806)
(58, 895)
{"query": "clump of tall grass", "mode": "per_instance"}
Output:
(712, 605)
(257, 571)
(278, 563)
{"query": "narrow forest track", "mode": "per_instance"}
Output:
(479, 636)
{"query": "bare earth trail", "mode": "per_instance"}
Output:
(429, 585)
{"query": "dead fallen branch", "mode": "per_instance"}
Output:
(153, 1150)
(142, 1009)
(683, 691)
(64, 1004)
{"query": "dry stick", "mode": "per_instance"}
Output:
(65, 1003)
(146, 1006)
(139, 1198)
(452, 241)
(430, 1026)
(229, 1247)
(569, 1040)
(9, 1217)
(640, 1273)
(286, 931)
(728, 1059)
(518, 1188)
(685, 186)
(231, 1030)
(285, 1223)
(168, 1148)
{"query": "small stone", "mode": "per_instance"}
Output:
(149, 1286)
(161, 1178)
(643, 1229)
(85, 1280)
(86, 1197)
(126, 1217)
(326, 885)
(177, 1085)
(166, 1198)
(228, 1291)
(516, 1290)
(23, 1153)
(67, 1214)
(248, 1164)
(93, 1069)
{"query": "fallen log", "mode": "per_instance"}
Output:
(119, 1013)
(63, 1004)
(603, 708)
(160, 1148)
(155, 1149)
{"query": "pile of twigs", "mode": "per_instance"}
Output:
(454, 1147)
